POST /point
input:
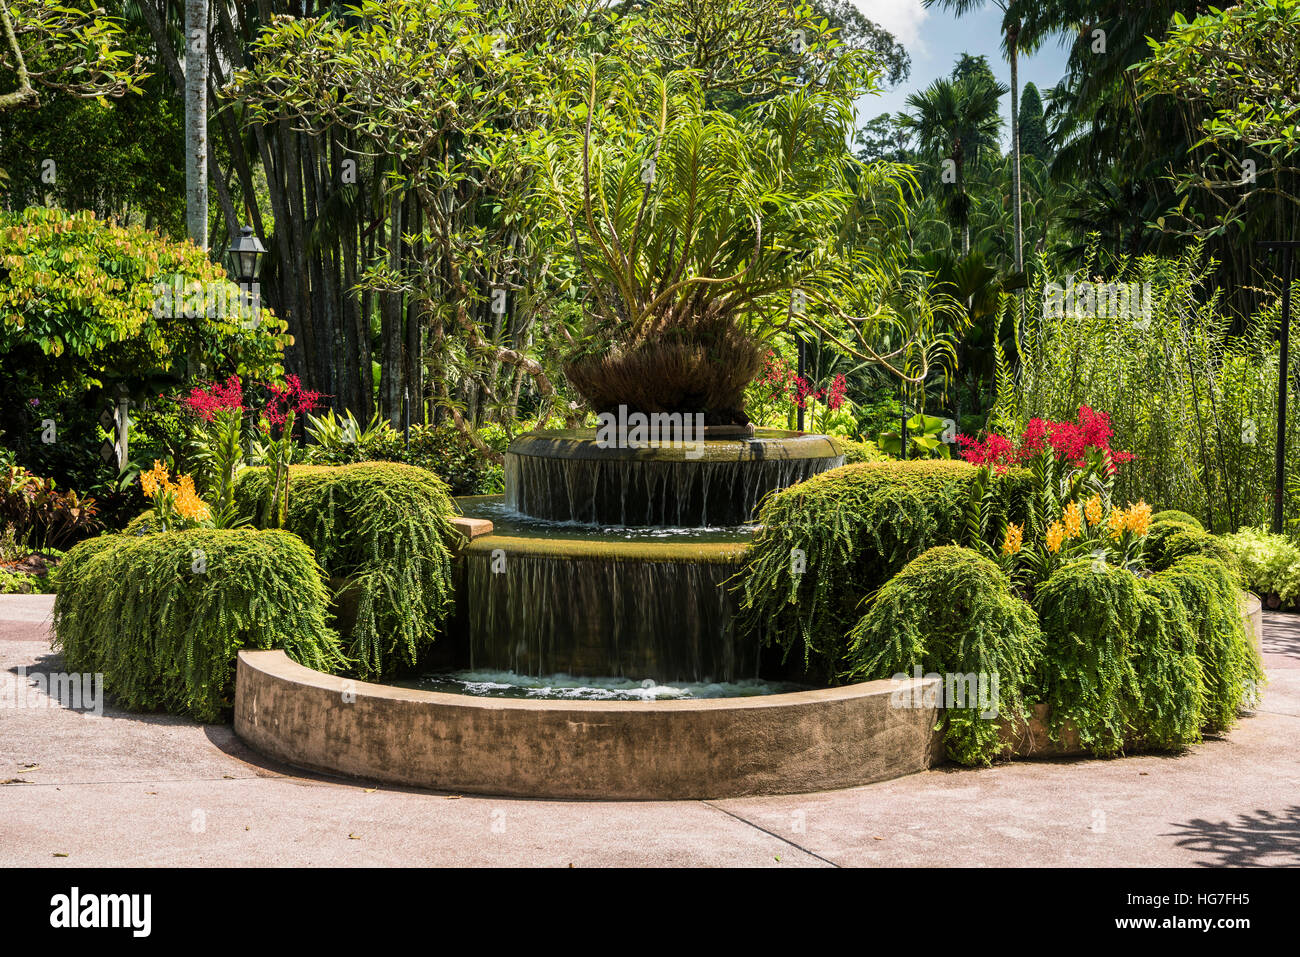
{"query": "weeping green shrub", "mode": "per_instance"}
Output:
(1159, 532)
(1144, 662)
(951, 611)
(1090, 613)
(1166, 713)
(827, 543)
(162, 616)
(1230, 668)
(385, 528)
(1173, 515)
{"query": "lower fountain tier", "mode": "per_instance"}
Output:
(568, 476)
(640, 610)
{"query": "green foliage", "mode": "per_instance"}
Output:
(1193, 541)
(441, 449)
(1227, 68)
(24, 583)
(1033, 127)
(827, 543)
(692, 224)
(384, 527)
(57, 47)
(1159, 533)
(856, 452)
(39, 515)
(78, 305)
(1270, 564)
(1232, 673)
(951, 611)
(925, 438)
(1166, 711)
(165, 634)
(1090, 614)
(1149, 663)
(1191, 399)
(117, 159)
(1173, 515)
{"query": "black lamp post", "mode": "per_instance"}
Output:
(1288, 248)
(246, 254)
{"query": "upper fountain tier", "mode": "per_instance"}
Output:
(569, 476)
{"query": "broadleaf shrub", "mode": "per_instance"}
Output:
(385, 528)
(164, 631)
(827, 543)
(951, 611)
(1270, 564)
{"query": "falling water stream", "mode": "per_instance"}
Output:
(606, 574)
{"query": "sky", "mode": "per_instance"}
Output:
(935, 38)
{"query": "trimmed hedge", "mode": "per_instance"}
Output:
(829, 542)
(951, 611)
(1173, 515)
(385, 528)
(1182, 541)
(162, 616)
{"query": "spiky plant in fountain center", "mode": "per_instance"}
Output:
(695, 229)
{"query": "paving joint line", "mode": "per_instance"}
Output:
(779, 837)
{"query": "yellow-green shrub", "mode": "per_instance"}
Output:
(827, 543)
(163, 616)
(385, 528)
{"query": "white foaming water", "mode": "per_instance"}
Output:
(508, 684)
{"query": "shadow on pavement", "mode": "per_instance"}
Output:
(1257, 839)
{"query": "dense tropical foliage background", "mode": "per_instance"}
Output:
(485, 217)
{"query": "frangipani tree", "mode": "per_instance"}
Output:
(57, 47)
(1235, 67)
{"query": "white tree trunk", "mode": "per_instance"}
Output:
(1018, 227)
(196, 120)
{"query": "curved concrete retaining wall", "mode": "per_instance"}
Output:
(706, 748)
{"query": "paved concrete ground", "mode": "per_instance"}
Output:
(136, 790)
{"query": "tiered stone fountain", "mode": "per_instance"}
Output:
(604, 563)
(612, 561)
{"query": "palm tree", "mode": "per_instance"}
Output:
(1011, 45)
(955, 120)
(196, 121)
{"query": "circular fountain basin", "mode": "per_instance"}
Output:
(572, 475)
(653, 750)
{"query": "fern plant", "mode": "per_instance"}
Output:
(951, 611)
(162, 616)
(383, 529)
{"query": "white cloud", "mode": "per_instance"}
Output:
(902, 18)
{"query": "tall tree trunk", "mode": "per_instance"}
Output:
(196, 121)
